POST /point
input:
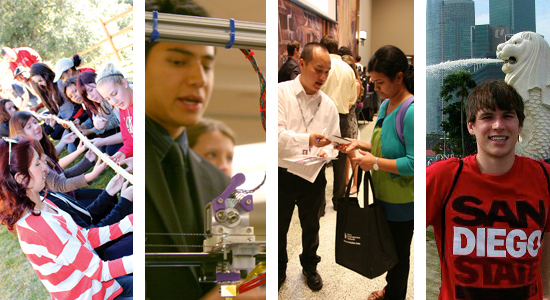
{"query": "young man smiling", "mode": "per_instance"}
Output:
(489, 210)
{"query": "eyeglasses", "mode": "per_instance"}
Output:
(9, 141)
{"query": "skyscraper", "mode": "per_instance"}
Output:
(518, 15)
(448, 37)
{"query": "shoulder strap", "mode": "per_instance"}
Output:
(461, 164)
(401, 116)
(545, 174)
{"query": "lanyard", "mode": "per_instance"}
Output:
(303, 118)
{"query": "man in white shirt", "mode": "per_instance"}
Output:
(304, 112)
(340, 87)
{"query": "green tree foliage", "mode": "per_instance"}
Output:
(454, 132)
(61, 28)
(457, 86)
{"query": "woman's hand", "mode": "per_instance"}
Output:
(130, 163)
(127, 191)
(365, 162)
(90, 155)
(100, 122)
(50, 122)
(99, 167)
(115, 185)
(348, 147)
(76, 121)
(69, 138)
(98, 142)
(118, 157)
(322, 154)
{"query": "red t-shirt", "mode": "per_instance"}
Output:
(489, 233)
(25, 57)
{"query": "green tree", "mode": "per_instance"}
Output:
(61, 28)
(455, 143)
(456, 86)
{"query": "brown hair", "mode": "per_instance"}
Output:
(492, 95)
(292, 47)
(17, 128)
(330, 43)
(84, 78)
(14, 202)
(4, 114)
(50, 95)
(351, 62)
(206, 125)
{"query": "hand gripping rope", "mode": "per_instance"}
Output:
(89, 144)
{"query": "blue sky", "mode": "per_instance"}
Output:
(542, 8)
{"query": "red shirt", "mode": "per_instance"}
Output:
(25, 58)
(489, 232)
(127, 130)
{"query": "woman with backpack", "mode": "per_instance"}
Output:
(390, 156)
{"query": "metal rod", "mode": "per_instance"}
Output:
(206, 31)
(187, 259)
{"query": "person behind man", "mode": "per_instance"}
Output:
(20, 57)
(489, 210)
(290, 69)
(304, 112)
(66, 68)
(340, 87)
(179, 183)
(360, 67)
(215, 141)
(21, 74)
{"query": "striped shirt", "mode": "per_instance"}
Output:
(63, 256)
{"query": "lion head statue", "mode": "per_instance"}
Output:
(527, 64)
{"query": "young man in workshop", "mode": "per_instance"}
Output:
(179, 183)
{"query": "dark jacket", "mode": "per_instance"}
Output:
(289, 70)
(103, 211)
(174, 203)
(5, 129)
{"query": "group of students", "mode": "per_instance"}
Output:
(79, 240)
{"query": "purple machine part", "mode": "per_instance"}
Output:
(236, 181)
(224, 277)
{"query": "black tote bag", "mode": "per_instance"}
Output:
(364, 243)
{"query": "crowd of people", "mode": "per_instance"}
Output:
(79, 240)
(319, 87)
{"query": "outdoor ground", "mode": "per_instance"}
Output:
(433, 275)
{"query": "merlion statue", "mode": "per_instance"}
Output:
(527, 67)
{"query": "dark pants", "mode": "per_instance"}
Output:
(86, 196)
(123, 246)
(339, 165)
(397, 277)
(127, 283)
(111, 149)
(309, 197)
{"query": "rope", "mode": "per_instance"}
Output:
(89, 144)
(204, 234)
